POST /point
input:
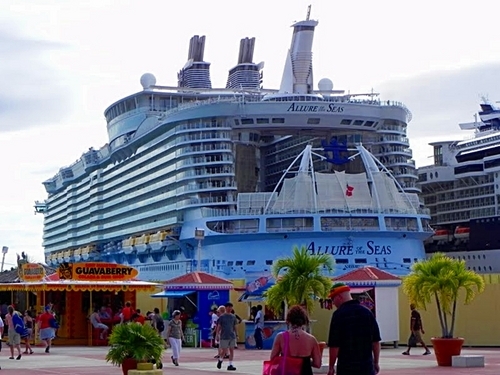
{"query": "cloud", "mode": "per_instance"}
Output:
(34, 91)
(440, 101)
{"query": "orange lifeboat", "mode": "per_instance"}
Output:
(441, 235)
(462, 233)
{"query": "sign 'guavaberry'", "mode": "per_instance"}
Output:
(96, 271)
(31, 272)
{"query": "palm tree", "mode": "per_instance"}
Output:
(299, 279)
(442, 278)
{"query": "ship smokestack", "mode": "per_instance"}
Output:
(196, 73)
(247, 74)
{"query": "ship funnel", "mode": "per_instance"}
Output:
(247, 74)
(196, 72)
(298, 72)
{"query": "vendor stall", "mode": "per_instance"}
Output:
(256, 284)
(195, 294)
(97, 288)
(378, 291)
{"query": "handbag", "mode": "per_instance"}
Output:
(283, 365)
(412, 341)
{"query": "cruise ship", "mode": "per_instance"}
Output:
(462, 191)
(227, 180)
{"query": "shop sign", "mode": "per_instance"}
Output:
(96, 271)
(31, 272)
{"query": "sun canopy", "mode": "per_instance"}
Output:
(82, 286)
(172, 294)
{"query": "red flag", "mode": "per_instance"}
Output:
(349, 190)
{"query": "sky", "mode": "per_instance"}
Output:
(62, 63)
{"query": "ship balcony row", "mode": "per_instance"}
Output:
(392, 139)
(204, 147)
(388, 150)
(392, 129)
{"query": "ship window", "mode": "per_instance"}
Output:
(246, 121)
(360, 260)
(345, 122)
(262, 121)
(250, 262)
(369, 123)
(230, 263)
(278, 120)
(269, 262)
(358, 122)
(313, 121)
(341, 261)
(239, 263)
(406, 260)
(236, 121)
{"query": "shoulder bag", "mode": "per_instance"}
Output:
(283, 365)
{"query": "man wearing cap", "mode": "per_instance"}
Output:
(354, 338)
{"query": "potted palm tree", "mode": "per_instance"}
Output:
(443, 279)
(132, 344)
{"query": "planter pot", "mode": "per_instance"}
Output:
(129, 364)
(444, 349)
(144, 366)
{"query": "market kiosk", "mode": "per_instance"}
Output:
(74, 290)
(378, 291)
(196, 294)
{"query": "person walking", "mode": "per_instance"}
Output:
(226, 332)
(28, 323)
(354, 337)
(300, 343)
(175, 336)
(417, 330)
(259, 326)
(13, 318)
(47, 332)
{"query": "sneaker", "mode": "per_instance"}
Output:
(173, 360)
(231, 368)
(427, 352)
(47, 349)
(219, 364)
(405, 353)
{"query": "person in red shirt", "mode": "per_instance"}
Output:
(127, 313)
(184, 318)
(46, 330)
(139, 318)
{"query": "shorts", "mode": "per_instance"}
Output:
(14, 337)
(47, 333)
(226, 344)
(101, 326)
(418, 336)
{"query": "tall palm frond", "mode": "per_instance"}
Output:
(299, 279)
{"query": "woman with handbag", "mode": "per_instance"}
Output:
(295, 352)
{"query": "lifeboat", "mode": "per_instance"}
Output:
(141, 243)
(155, 240)
(462, 233)
(68, 255)
(60, 257)
(78, 254)
(441, 235)
(128, 245)
(85, 252)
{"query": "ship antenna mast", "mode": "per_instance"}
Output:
(308, 12)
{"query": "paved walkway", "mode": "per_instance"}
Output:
(90, 361)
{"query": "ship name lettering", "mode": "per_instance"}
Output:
(374, 249)
(294, 107)
(332, 250)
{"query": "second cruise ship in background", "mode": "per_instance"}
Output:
(462, 191)
(227, 180)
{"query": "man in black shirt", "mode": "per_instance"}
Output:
(417, 330)
(354, 337)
